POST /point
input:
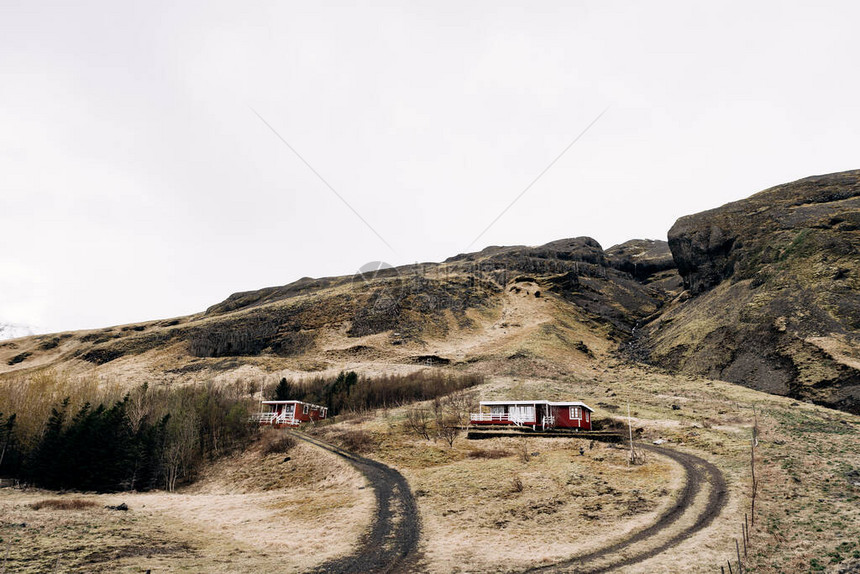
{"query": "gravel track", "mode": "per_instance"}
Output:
(391, 545)
(698, 472)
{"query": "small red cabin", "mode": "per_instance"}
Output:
(534, 414)
(289, 413)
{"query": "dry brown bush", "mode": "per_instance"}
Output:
(356, 441)
(276, 442)
(523, 452)
(418, 422)
(517, 484)
(489, 453)
(63, 504)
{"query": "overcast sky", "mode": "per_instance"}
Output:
(137, 182)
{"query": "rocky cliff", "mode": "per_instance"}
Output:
(775, 281)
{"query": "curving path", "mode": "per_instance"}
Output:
(391, 545)
(698, 472)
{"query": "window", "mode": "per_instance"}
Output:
(522, 412)
(305, 409)
(575, 412)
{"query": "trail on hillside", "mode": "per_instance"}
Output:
(698, 473)
(391, 545)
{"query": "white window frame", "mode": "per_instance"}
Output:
(306, 409)
(575, 413)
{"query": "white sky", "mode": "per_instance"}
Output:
(137, 183)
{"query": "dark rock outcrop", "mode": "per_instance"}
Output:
(648, 261)
(741, 237)
(775, 281)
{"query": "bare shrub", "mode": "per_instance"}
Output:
(638, 457)
(418, 422)
(523, 452)
(459, 405)
(608, 424)
(356, 441)
(276, 442)
(63, 504)
(490, 453)
(448, 430)
(517, 484)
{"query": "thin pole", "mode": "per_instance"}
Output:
(754, 485)
(630, 429)
(743, 527)
(730, 566)
(738, 549)
(748, 526)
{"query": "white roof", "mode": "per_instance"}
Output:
(513, 402)
(539, 402)
(290, 402)
(570, 404)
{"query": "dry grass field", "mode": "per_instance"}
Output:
(491, 505)
(507, 504)
(251, 512)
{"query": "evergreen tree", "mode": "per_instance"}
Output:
(42, 468)
(8, 447)
(283, 392)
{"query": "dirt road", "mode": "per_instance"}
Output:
(391, 545)
(699, 472)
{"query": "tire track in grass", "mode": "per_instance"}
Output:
(698, 472)
(391, 545)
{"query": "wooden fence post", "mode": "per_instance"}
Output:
(738, 550)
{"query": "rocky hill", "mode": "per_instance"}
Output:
(762, 292)
(773, 284)
(537, 307)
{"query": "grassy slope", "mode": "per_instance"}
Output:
(806, 509)
(559, 345)
(474, 519)
(251, 512)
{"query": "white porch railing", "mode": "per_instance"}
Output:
(497, 418)
(266, 418)
(274, 419)
(490, 417)
(548, 421)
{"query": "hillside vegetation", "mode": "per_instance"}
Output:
(743, 319)
(763, 292)
(774, 285)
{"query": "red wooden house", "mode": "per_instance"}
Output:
(534, 414)
(289, 413)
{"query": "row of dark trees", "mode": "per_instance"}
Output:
(147, 439)
(351, 392)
